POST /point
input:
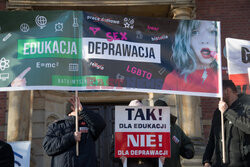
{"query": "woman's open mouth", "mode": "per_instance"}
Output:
(205, 52)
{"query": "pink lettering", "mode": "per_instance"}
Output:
(94, 29)
(110, 38)
(116, 36)
(139, 72)
(153, 28)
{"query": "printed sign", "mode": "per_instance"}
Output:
(76, 50)
(238, 61)
(142, 131)
(21, 153)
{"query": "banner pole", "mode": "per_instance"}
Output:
(222, 136)
(76, 111)
(125, 164)
(160, 163)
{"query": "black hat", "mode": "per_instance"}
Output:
(68, 109)
(160, 103)
(163, 103)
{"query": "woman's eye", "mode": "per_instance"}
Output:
(195, 32)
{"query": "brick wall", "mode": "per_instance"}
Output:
(234, 17)
(3, 95)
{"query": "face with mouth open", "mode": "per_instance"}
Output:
(203, 42)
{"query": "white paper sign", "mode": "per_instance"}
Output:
(21, 153)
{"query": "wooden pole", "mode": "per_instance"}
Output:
(125, 163)
(76, 110)
(222, 136)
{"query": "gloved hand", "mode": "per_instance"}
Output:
(189, 154)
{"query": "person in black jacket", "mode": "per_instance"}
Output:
(61, 137)
(181, 144)
(236, 113)
(6, 155)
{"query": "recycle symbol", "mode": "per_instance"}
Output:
(4, 64)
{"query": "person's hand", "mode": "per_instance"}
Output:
(72, 101)
(207, 165)
(162, 160)
(222, 106)
(123, 159)
(77, 136)
(189, 154)
(20, 81)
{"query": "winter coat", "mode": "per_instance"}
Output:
(6, 155)
(180, 145)
(60, 143)
(236, 125)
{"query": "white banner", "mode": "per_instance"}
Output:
(238, 55)
(238, 61)
(21, 153)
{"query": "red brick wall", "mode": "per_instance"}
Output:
(234, 17)
(3, 95)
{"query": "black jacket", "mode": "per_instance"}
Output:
(59, 141)
(6, 155)
(237, 126)
(181, 145)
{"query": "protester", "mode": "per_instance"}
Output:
(135, 162)
(236, 113)
(194, 58)
(6, 155)
(181, 145)
(61, 137)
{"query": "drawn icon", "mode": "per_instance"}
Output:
(119, 76)
(73, 67)
(4, 76)
(162, 70)
(19, 156)
(41, 21)
(7, 37)
(94, 29)
(75, 23)
(139, 35)
(128, 23)
(58, 27)
(4, 63)
(24, 27)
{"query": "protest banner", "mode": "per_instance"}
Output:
(76, 50)
(21, 151)
(142, 131)
(238, 61)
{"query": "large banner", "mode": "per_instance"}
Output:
(238, 61)
(142, 131)
(75, 50)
